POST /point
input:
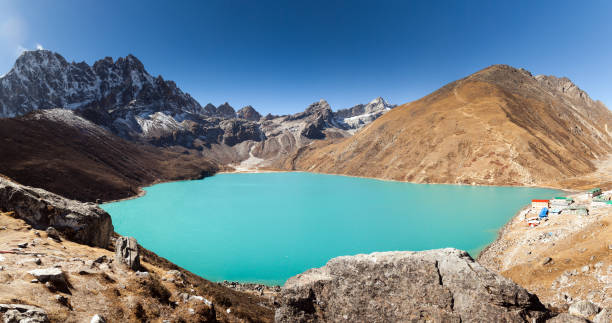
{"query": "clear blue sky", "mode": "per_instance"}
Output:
(280, 56)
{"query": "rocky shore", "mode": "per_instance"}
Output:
(566, 261)
(58, 265)
(268, 292)
(60, 261)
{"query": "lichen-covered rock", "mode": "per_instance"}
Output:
(584, 309)
(126, 252)
(81, 222)
(444, 285)
(19, 313)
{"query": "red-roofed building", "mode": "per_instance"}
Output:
(538, 204)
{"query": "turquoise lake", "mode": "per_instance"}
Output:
(268, 227)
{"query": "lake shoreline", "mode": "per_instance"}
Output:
(334, 191)
(274, 170)
(142, 192)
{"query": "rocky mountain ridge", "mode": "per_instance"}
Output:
(124, 98)
(42, 79)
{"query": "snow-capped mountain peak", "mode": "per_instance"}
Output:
(360, 115)
(42, 79)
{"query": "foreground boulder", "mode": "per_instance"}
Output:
(81, 222)
(17, 313)
(126, 252)
(53, 274)
(444, 285)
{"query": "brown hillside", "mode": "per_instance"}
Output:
(65, 154)
(99, 285)
(498, 126)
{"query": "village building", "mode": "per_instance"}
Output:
(539, 204)
(560, 203)
(576, 210)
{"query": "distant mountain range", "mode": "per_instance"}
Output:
(124, 98)
(501, 126)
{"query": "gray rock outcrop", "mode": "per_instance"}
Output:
(317, 116)
(444, 285)
(54, 275)
(19, 313)
(605, 316)
(80, 222)
(126, 252)
(583, 308)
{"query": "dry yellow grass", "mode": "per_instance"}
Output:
(478, 130)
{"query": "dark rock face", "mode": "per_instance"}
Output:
(444, 285)
(317, 117)
(81, 222)
(236, 131)
(225, 111)
(351, 112)
(249, 113)
(210, 110)
(126, 252)
(313, 130)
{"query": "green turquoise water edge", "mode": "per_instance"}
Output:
(268, 227)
